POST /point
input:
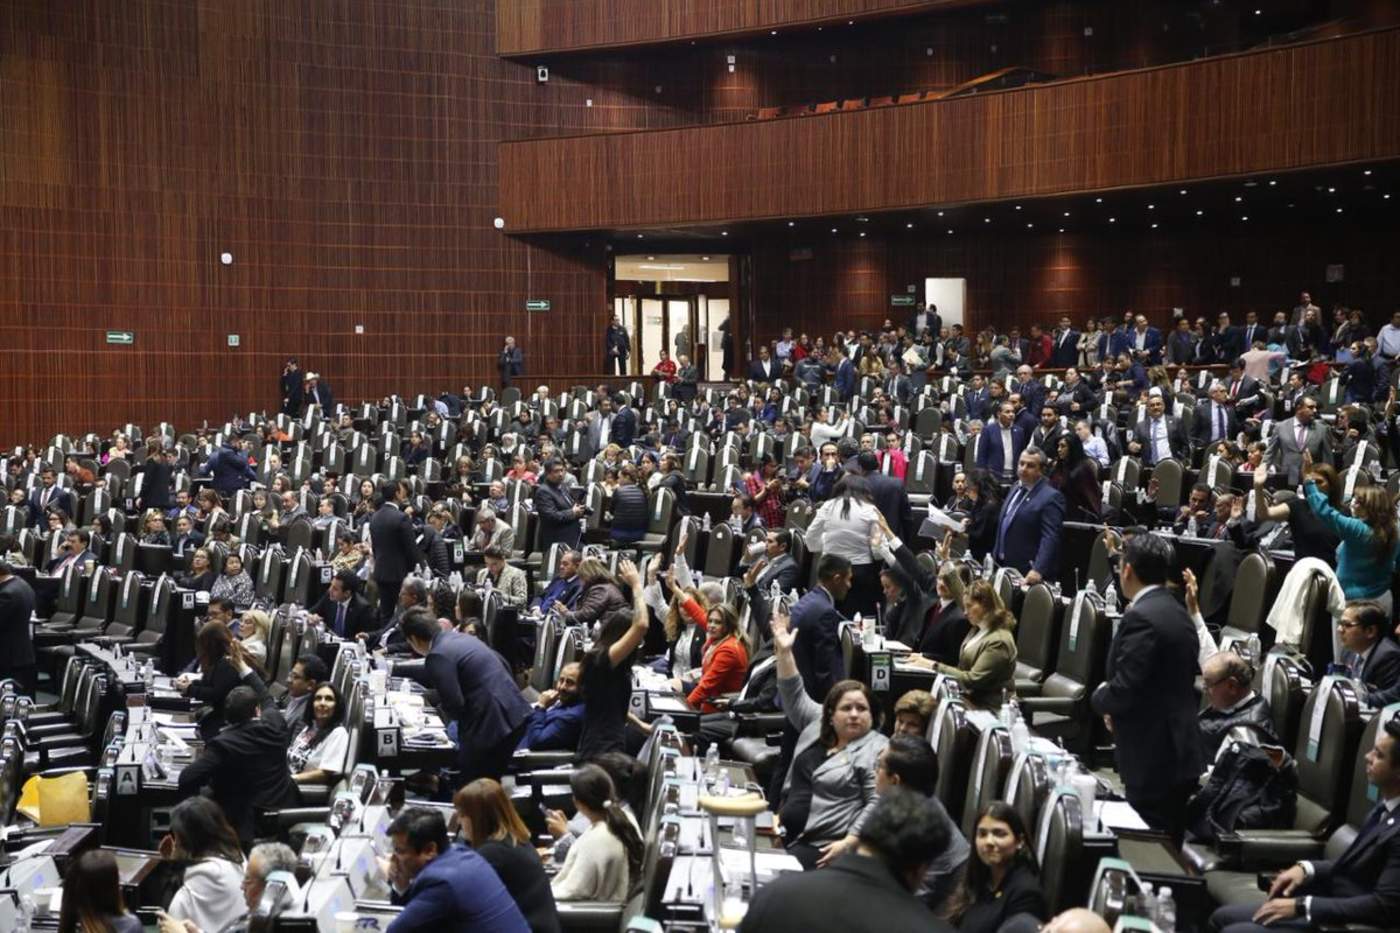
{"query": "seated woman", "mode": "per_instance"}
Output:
(600, 595)
(92, 897)
(1002, 881)
(913, 712)
(212, 892)
(922, 610)
(153, 530)
(1254, 458)
(416, 449)
(201, 575)
(348, 554)
(492, 827)
(605, 862)
(318, 752)
(630, 511)
(223, 665)
(520, 470)
(725, 661)
(254, 628)
(830, 787)
(987, 659)
(234, 583)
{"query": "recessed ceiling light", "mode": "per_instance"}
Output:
(1066, 213)
(1339, 210)
(1018, 207)
(1062, 229)
(1238, 199)
(1098, 200)
(792, 223)
(640, 236)
(940, 213)
(1200, 213)
(704, 258)
(651, 259)
(1154, 226)
(1258, 12)
(1028, 226)
(862, 233)
(773, 32)
(1367, 172)
(724, 233)
(833, 229)
(909, 226)
(863, 220)
(986, 220)
(1151, 207)
(1182, 191)
(1245, 217)
(1113, 220)
(1272, 182)
(1331, 190)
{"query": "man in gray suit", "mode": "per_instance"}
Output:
(1291, 437)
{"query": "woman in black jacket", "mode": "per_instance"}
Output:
(201, 575)
(223, 665)
(630, 511)
(492, 827)
(982, 488)
(1077, 477)
(157, 473)
(1002, 881)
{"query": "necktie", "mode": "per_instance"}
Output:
(44, 499)
(340, 620)
(1302, 436)
(1007, 515)
(1156, 428)
(1219, 423)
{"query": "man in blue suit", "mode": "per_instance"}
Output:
(443, 886)
(475, 689)
(1002, 443)
(978, 398)
(1146, 342)
(1112, 341)
(1031, 521)
(566, 586)
(624, 423)
(556, 721)
(817, 624)
(845, 379)
(49, 495)
(229, 468)
(1065, 352)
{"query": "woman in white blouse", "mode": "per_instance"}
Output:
(212, 892)
(317, 754)
(605, 862)
(843, 526)
(253, 629)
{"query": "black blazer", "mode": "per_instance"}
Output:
(943, 634)
(197, 582)
(16, 608)
(246, 766)
(554, 506)
(817, 650)
(1020, 893)
(395, 544)
(359, 615)
(212, 689)
(1150, 693)
(155, 488)
(521, 871)
(855, 894)
(475, 689)
(1359, 886)
(892, 499)
(1382, 669)
(60, 498)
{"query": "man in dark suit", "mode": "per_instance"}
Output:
(1361, 886)
(1181, 345)
(1031, 521)
(558, 513)
(75, 551)
(775, 566)
(444, 886)
(978, 398)
(48, 495)
(844, 380)
(1149, 700)
(1145, 342)
(896, 384)
(1002, 443)
(1215, 418)
(765, 368)
(187, 537)
(1112, 341)
(1227, 341)
(619, 347)
(1233, 704)
(816, 621)
(1370, 656)
(290, 387)
(246, 763)
(342, 609)
(890, 496)
(1251, 331)
(925, 320)
(1031, 389)
(17, 661)
(870, 888)
(1047, 433)
(394, 542)
(317, 392)
(510, 362)
(624, 423)
(566, 585)
(475, 690)
(229, 468)
(1159, 436)
(1065, 352)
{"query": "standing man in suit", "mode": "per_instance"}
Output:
(1292, 436)
(618, 346)
(599, 430)
(246, 763)
(1002, 443)
(342, 609)
(925, 320)
(624, 423)
(1146, 342)
(978, 398)
(510, 362)
(475, 690)
(1047, 433)
(890, 496)
(395, 546)
(1215, 418)
(1031, 389)
(1112, 341)
(1227, 340)
(290, 387)
(1148, 700)
(1066, 345)
(844, 381)
(558, 513)
(1159, 436)
(1251, 331)
(1361, 886)
(17, 660)
(1031, 522)
(765, 368)
(1181, 345)
(48, 495)
(816, 621)
(229, 468)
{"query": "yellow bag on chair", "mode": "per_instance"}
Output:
(56, 801)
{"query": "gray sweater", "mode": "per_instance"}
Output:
(843, 786)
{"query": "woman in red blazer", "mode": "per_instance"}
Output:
(725, 665)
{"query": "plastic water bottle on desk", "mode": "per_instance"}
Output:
(988, 568)
(1165, 914)
(705, 523)
(1110, 596)
(1191, 527)
(1020, 729)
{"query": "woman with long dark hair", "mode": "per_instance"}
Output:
(223, 665)
(1077, 477)
(605, 674)
(317, 754)
(212, 892)
(830, 786)
(1003, 880)
(985, 493)
(1312, 537)
(843, 526)
(92, 897)
(492, 827)
(606, 861)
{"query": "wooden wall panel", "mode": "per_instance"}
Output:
(1326, 102)
(1019, 280)
(526, 27)
(344, 152)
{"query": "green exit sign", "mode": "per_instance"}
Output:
(123, 338)
(536, 304)
(902, 301)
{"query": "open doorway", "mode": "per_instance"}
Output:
(677, 303)
(948, 295)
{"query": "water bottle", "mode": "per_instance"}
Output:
(987, 566)
(1165, 915)
(148, 674)
(1146, 902)
(1020, 730)
(26, 914)
(1255, 649)
(1110, 596)
(1191, 527)
(1006, 713)
(705, 522)
(712, 764)
(1092, 589)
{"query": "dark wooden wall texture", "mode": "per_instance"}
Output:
(1314, 104)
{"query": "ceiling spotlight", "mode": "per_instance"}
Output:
(1367, 172)
(651, 259)
(773, 32)
(862, 233)
(1238, 199)
(1200, 213)
(1331, 190)
(1339, 210)
(940, 213)
(986, 220)
(1151, 207)
(1062, 229)
(639, 236)
(1154, 226)
(1113, 220)
(792, 223)
(833, 229)
(1245, 217)
(1066, 213)
(1028, 226)
(1182, 191)
(1018, 207)
(1272, 183)
(704, 258)
(950, 231)
(1258, 12)
(908, 226)
(724, 233)
(1098, 200)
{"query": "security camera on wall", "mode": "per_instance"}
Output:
(542, 74)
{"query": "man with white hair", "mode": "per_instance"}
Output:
(1215, 418)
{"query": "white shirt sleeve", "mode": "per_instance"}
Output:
(1208, 646)
(330, 754)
